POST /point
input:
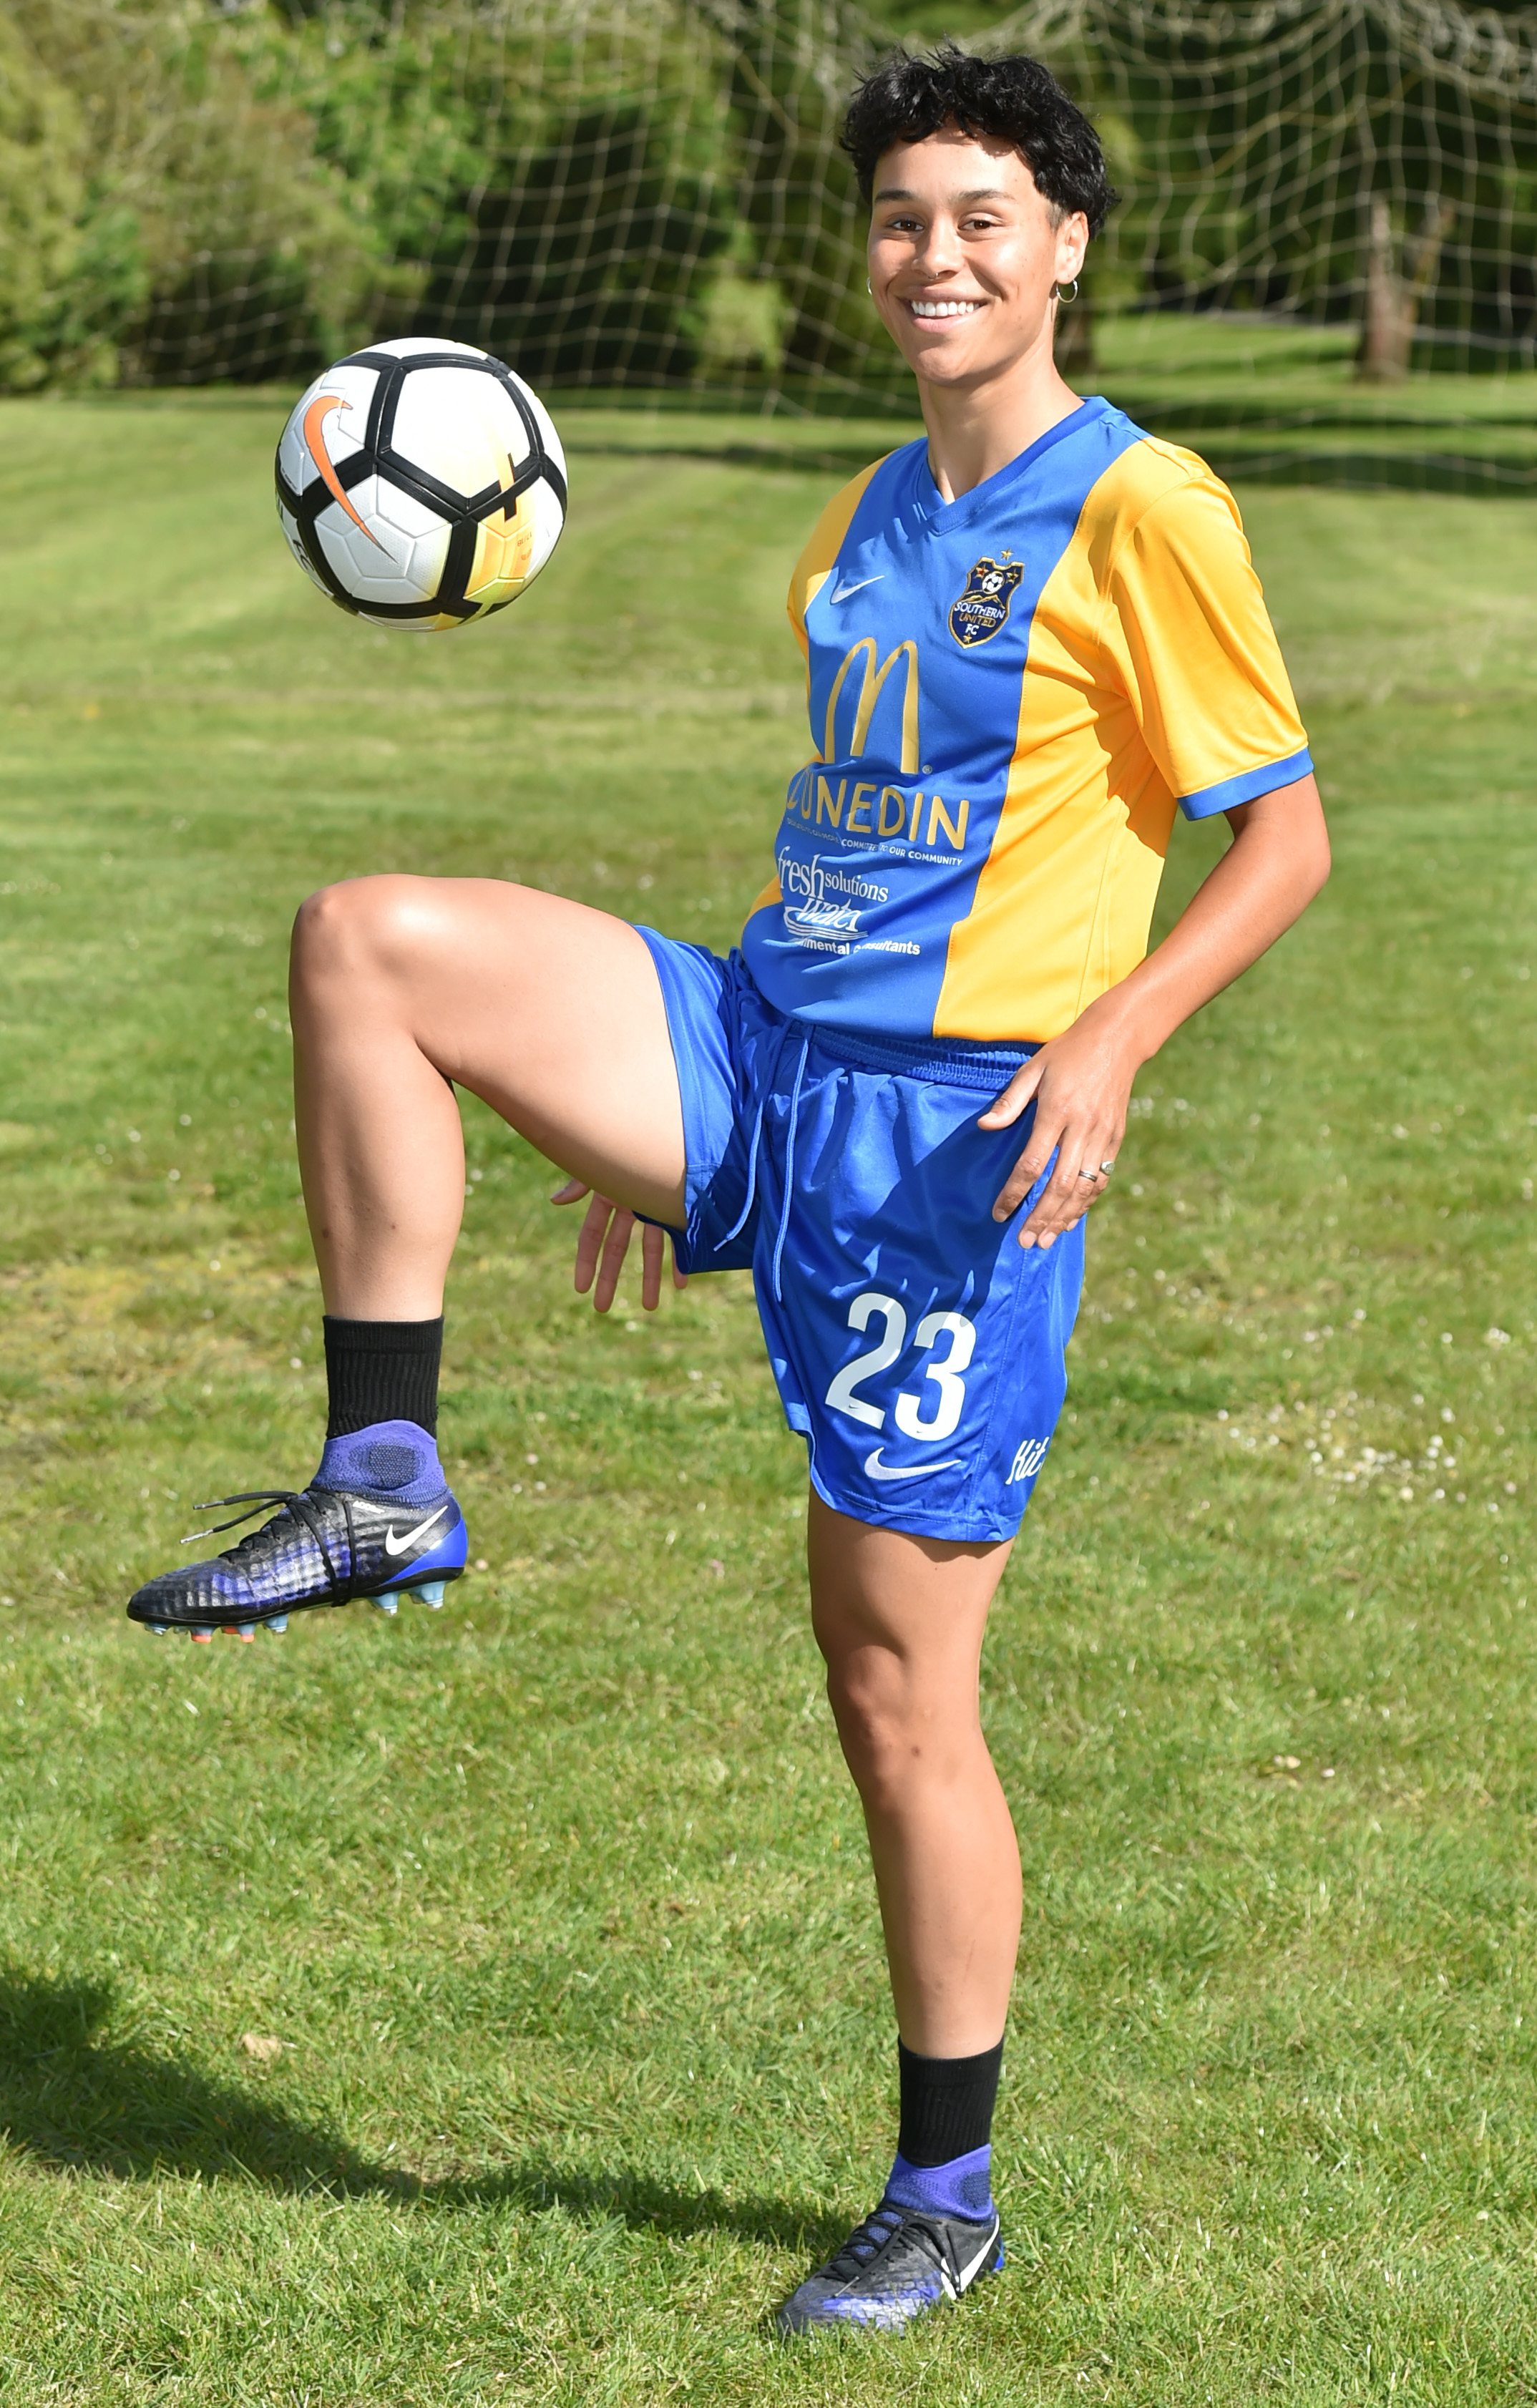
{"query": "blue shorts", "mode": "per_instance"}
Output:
(918, 1347)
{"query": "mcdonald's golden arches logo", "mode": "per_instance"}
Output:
(871, 681)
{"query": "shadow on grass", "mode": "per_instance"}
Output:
(70, 2100)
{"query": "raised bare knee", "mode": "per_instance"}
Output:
(349, 929)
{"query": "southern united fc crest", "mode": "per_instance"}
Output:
(978, 613)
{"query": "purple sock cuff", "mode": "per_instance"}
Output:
(961, 2188)
(394, 1459)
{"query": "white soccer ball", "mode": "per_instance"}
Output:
(421, 484)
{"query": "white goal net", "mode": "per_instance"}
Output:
(1329, 220)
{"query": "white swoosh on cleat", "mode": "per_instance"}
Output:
(394, 1547)
(969, 2273)
(879, 1470)
(844, 591)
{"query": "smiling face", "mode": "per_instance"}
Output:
(965, 256)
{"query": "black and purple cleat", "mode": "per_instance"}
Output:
(897, 2266)
(378, 1522)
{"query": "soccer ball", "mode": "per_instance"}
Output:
(421, 484)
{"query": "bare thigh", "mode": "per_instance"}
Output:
(550, 1012)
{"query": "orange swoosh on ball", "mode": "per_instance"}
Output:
(323, 403)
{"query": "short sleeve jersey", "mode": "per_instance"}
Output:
(1009, 695)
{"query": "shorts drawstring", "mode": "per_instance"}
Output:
(790, 1163)
(765, 1091)
(740, 1223)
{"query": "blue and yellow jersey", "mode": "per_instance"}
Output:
(1009, 695)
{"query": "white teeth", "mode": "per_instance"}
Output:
(944, 308)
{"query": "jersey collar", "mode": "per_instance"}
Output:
(945, 517)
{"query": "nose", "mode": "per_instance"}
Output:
(939, 253)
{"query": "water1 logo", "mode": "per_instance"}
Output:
(816, 898)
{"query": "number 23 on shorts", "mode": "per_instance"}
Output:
(944, 1390)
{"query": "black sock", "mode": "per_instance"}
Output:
(382, 1371)
(947, 2104)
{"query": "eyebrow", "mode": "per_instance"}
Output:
(983, 193)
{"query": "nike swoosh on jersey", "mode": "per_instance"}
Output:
(879, 1470)
(394, 1547)
(844, 591)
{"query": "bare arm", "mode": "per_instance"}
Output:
(1082, 1081)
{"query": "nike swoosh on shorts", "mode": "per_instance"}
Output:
(394, 1547)
(844, 591)
(879, 1470)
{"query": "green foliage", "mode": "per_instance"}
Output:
(165, 216)
(72, 271)
(633, 191)
(651, 192)
(741, 325)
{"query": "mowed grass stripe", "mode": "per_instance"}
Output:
(555, 1903)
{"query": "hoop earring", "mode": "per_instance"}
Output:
(1066, 298)
(867, 287)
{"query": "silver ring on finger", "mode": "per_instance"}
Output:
(1088, 1174)
(1106, 1168)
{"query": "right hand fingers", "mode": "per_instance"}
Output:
(590, 1243)
(616, 1245)
(650, 1267)
(602, 1243)
(653, 1244)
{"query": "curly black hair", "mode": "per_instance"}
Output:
(1013, 99)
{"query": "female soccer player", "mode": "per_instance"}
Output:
(1029, 638)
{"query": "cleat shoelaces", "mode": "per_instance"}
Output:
(323, 1547)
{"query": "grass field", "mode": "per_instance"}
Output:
(488, 2006)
